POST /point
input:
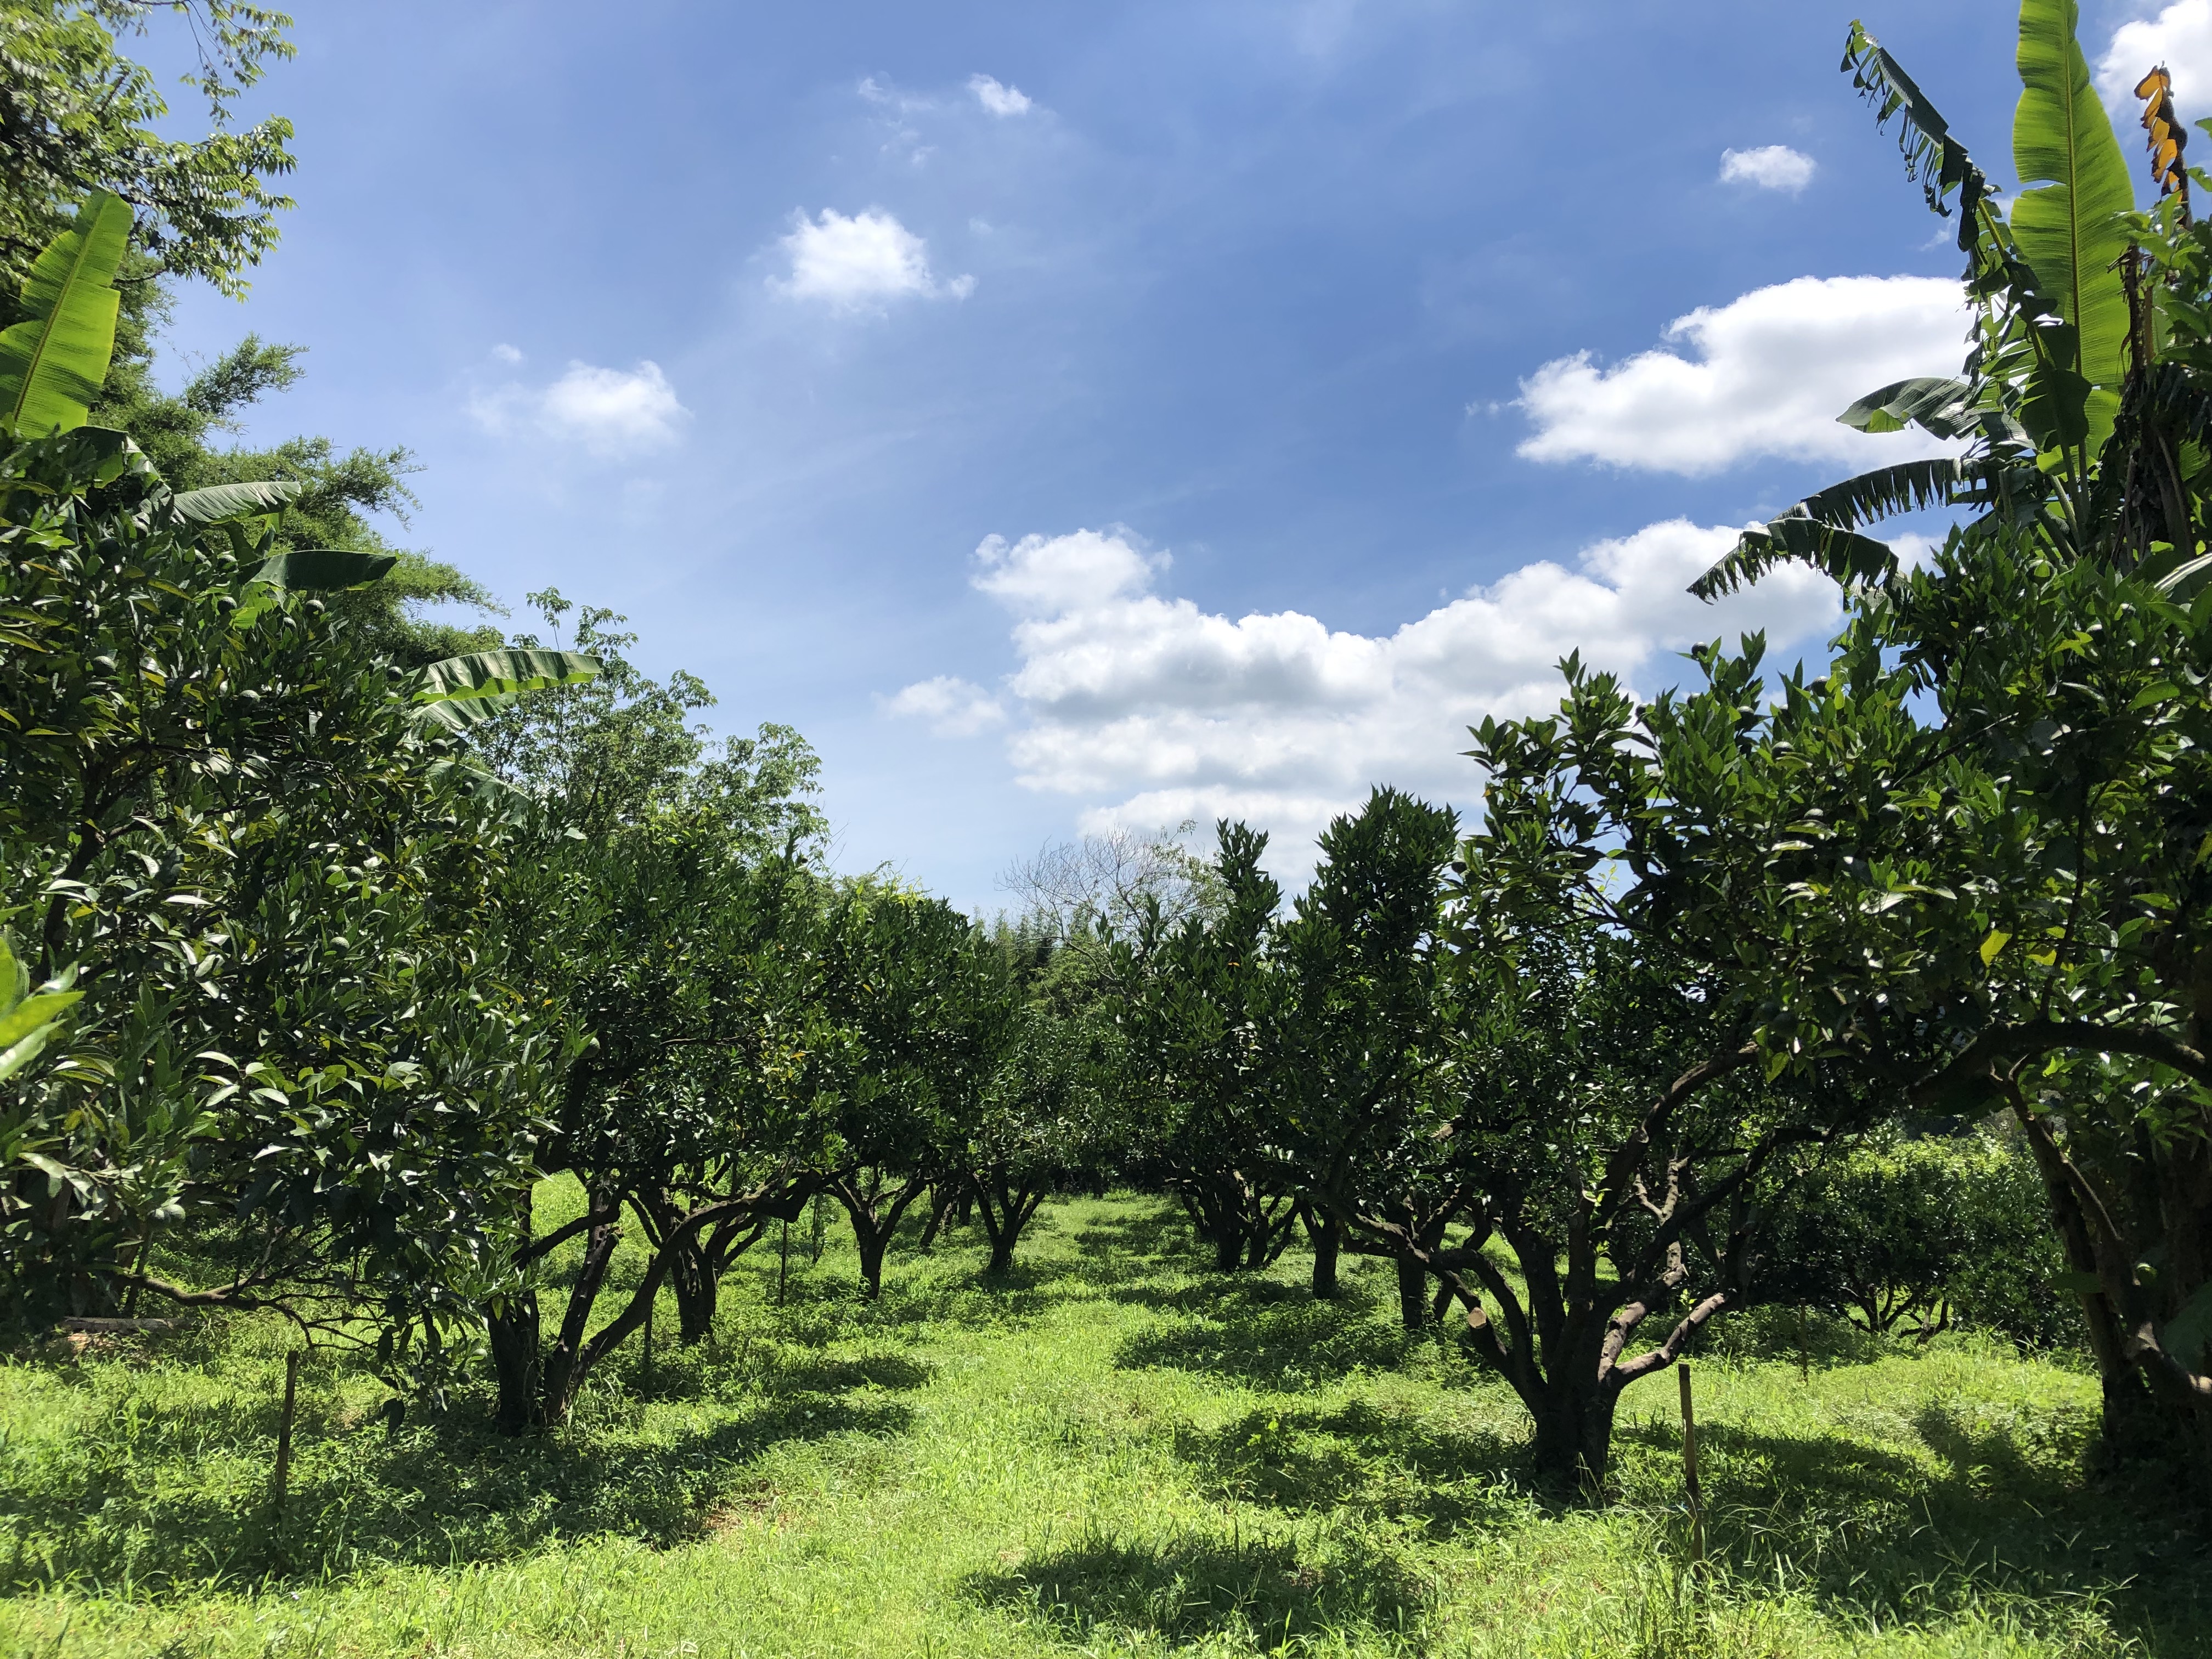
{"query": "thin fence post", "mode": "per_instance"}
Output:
(647, 1385)
(1690, 1469)
(783, 1264)
(284, 1430)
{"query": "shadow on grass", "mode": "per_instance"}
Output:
(1138, 1245)
(1386, 1463)
(182, 1503)
(2005, 1521)
(1263, 1334)
(1188, 1589)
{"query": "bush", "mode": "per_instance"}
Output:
(1915, 1234)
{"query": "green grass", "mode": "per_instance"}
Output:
(1115, 1452)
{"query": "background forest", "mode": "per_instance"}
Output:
(657, 1205)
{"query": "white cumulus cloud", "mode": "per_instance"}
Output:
(608, 412)
(855, 264)
(953, 707)
(2180, 37)
(1771, 166)
(998, 100)
(1766, 374)
(1148, 710)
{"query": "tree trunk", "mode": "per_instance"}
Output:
(563, 1368)
(940, 1207)
(1006, 1211)
(696, 1280)
(1574, 1438)
(1412, 1292)
(1327, 1238)
(1228, 1249)
(874, 1212)
(2136, 1427)
(514, 1333)
(871, 1242)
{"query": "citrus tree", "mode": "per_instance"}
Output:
(254, 846)
(1966, 858)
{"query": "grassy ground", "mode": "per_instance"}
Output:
(1117, 1452)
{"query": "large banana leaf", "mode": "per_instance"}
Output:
(1936, 404)
(458, 715)
(1822, 530)
(1932, 155)
(219, 503)
(52, 363)
(324, 569)
(1907, 487)
(2068, 229)
(500, 674)
(1845, 556)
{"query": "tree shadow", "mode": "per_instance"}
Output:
(183, 1504)
(1159, 1238)
(1264, 1334)
(1364, 1456)
(1186, 1589)
(1878, 1539)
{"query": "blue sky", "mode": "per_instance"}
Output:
(1078, 416)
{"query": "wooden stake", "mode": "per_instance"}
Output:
(783, 1265)
(647, 1385)
(1690, 1468)
(285, 1427)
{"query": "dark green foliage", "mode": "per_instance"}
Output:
(76, 114)
(678, 918)
(1916, 1233)
(215, 808)
(1966, 861)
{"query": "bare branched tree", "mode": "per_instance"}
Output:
(1106, 879)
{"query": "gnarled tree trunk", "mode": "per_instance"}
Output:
(874, 1203)
(2157, 1397)
(1005, 1209)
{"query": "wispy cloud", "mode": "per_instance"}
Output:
(610, 412)
(953, 707)
(1771, 166)
(856, 264)
(998, 100)
(1767, 374)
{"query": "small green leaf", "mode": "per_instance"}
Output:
(2163, 691)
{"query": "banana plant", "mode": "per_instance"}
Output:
(2042, 384)
(52, 364)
